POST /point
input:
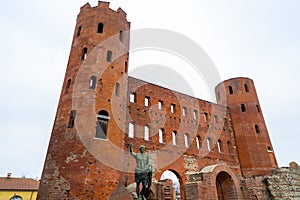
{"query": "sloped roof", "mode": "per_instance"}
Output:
(18, 184)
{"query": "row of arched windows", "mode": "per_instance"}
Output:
(100, 29)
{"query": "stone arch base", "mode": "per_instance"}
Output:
(219, 183)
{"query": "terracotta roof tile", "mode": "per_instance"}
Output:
(18, 184)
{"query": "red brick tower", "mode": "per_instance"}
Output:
(252, 139)
(84, 160)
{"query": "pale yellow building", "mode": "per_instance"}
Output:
(18, 188)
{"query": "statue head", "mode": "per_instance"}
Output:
(142, 148)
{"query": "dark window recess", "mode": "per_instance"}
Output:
(102, 124)
(230, 90)
(117, 89)
(72, 119)
(257, 129)
(243, 108)
(92, 82)
(126, 67)
(121, 36)
(270, 149)
(68, 86)
(108, 56)
(100, 28)
(79, 31)
(246, 88)
(205, 117)
(220, 146)
(84, 54)
(258, 109)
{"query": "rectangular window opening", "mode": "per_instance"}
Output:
(132, 98)
(160, 136)
(131, 130)
(146, 133)
(160, 105)
(172, 108)
(246, 88)
(147, 101)
(184, 111)
(195, 114)
(205, 115)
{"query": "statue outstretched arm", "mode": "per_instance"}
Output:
(131, 151)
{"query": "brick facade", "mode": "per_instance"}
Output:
(213, 149)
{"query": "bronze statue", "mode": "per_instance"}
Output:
(142, 171)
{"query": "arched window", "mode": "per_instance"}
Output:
(131, 130)
(230, 90)
(79, 31)
(92, 82)
(161, 135)
(84, 53)
(186, 140)
(68, 86)
(198, 140)
(220, 146)
(72, 119)
(243, 108)
(257, 129)
(174, 138)
(117, 89)
(102, 124)
(246, 88)
(209, 147)
(109, 56)
(146, 133)
(100, 28)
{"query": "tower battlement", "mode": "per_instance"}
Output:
(101, 5)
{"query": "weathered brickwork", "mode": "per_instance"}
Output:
(217, 151)
(284, 183)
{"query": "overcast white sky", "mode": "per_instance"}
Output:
(251, 38)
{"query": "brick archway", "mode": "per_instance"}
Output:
(181, 183)
(224, 183)
(225, 186)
